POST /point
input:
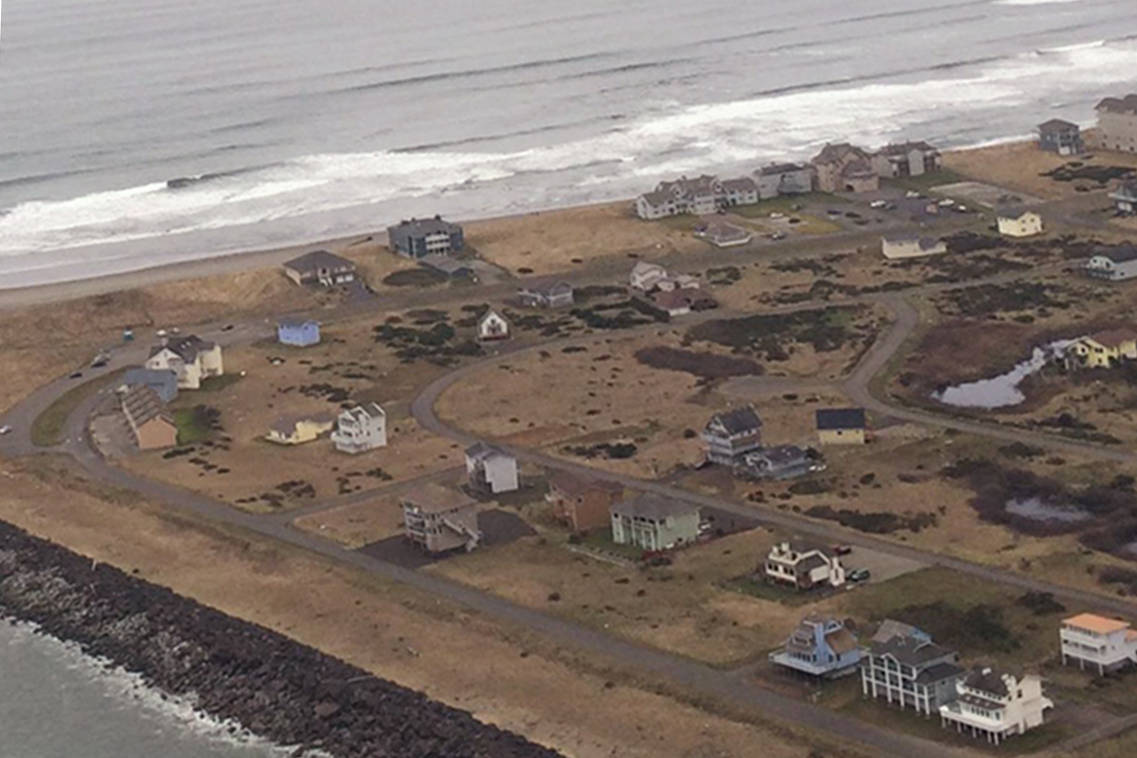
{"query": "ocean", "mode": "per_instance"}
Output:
(311, 119)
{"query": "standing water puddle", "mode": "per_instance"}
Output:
(1037, 509)
(1003, 390)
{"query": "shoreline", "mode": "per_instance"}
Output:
(274, 687)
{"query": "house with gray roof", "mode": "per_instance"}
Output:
(548, 294)
(1125, 198)
(652, 522)
(191, 358)
(701, 195)
(320, 267)
(162, 381)
(779, 179)
(995, 705)
(732, 434)
(779, 462)
(419, 237)
(906, 159)
(820, 646)
(904, 667)
(490, 469)
(1113, 263)
(1062, 137)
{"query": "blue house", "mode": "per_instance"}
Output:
(298, 332)
(162, 381)
(820, 646)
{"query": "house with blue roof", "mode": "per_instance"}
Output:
(298, 332)
(820, 646)
(162, 381)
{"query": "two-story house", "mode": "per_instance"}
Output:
(654, 523)
(994, 705)
(845, 168)
(191, 358)
(490, 469)
(1113, 264)
(1015, 221)
(320, 267)
(803, 566)
(903, 666)
(439, 519)
(1099, 642)
(1125, 198)
(582, 504)
(820, 646)
(730, 435)
(1117, 124)
(1105, 349)
(906, 159)
(492, 327)
(360, 429)
(420, 237)
(779, 179)
(1062, 137)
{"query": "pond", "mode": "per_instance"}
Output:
(1003, 390)
(1037, 509)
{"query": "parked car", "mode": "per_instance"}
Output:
(878, 204)
(912, 193)
(75, 375)
(775, 214)
(947, 202)
(842, 549)
(858, 575)
(5, 430)
(777, 235)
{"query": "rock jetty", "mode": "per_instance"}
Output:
(275, 687)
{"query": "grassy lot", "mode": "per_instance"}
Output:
(193, 425)
(601, 541)
(47, 429)
(784, 204)
(777, 593)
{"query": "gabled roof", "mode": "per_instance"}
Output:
(483, 451)
(643, 268)
(424, 226)
(890, 628)
(1127, 104)
(1056, 125)
(924, 243)
(288, 322)
(490, 313)
(1126, 190)
(548, 288)
(909, 650)
(903, 148)
(841, 151)
(739, 185)
(840, 418)
(672, 300)
(986, 679)
(858, 167)
(782, 455)
(1014, 212)
(362, 413)
(318, 259)
(656, 198)
(653, 507)
(1119, 254)
(775, 169)
(737, 421)
(1113, 337)
(841, 641)
(142, 404)
(150, 376)
(938, 672)
(1095, 623)
(185, 348)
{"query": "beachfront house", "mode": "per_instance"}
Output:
(150, 424)
(320, 267)
(191, 358)
(841, 426)
(492, 326)
(1062, 137)
(419, 237)
(549, 294)
(162, 381)
(742, 191)
(906, 159)
(490, 469)
(730, 435)
(300, 428)
(902, 245)
(1101, 643)
(1113, 264)
(993, 705)
(820, 646)
(360, 429)
(1125, 198)
(1105, 349)
(439, 519)
(1018, 222)
(652, 522)
(1117, 124)
(297, 332)
(845, 168)
(803, 566)
(904, 667)
(779, 179)
(582, 504)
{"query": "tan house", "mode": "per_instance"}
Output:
(191, 358)
(296, 430)
(1117, 124)
(845, 168)
(582, 504)
(841, 426)
(153, 428)
(320, 267)
(1018, 222)
(803, 566)
(439, 519)
(906, 159)
(1106, 349)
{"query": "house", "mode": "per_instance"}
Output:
(896, 246)
(651, 206)
(152, 427)
(1018, 222)
(492, 326)
(1125, 198)
(297, 332)
(779, 462)
(556, 294)
(906, 159)
(845, 168)
(191, 358)
(1114, 264)
(741, 191)
(298, 429)
(490, 469)
(678, 282)
(1105, 349)
(418, 237)
(841, 426)
(1117, 124)
(360, 429)
(820, 646)
(803, 566)
(722, 234)
(162, 381)
(439, 519)
(732, 434)
(654, 523)
(1104, 643)
(995, 705)
(672, 302)
(903, 666)
(448, 266)
(320, 267)
(645, 276)
(783, 179)
(582, 504)
(1062, 137)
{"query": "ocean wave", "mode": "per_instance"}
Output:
(906, 12)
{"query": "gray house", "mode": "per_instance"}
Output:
(906, 159)
(905, 667)
(320, 267)
(1117, 123)
(557, 294)
(1125, 198)
(652, 522)
(419, 237)
(729, 436)
(1113, 264)
(360, 429)
(783, 179)
(162, 381)
(1062, 137)
(490, 469)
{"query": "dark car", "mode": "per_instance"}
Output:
(842, 549)
(75, 375)
(858, 575)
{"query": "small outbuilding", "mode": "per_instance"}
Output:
(492, 326)
(841, 426)
(297, 332)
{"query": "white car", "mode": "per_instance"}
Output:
(911, 193)
(947, 202)
(777, 215)
(878, 203)
(5, 429)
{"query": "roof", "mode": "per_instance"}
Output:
(809, 563)
(938, 672)
(743, 184)
(142, 404)
(573, 485)
(782, 455)
(903, 148)
(446, 264)
(296, 323)
(318, 259)
(841, 418)
(490, 312)
(483, 451)
(890, 628)
(986, 679)
(1056, 125)
(925, 243)
(548, 288)
(654, 507)
(1127, 104)
(909, 650)
(1013, 211)
(700, 185)
(1125, 190)
(738, 421)
(838, 152)
(1095, 623)
(185, 348)
(721, 231)
(781, 168)
(286, 425)
(672, 300)
(424, 226)
(656, 198)
(1113, 337)
(841, 641)
(364, 412)
(858, 167)
(434, 498)
(150, 376)
(981, 702)
(1119, 254)
(643, 267)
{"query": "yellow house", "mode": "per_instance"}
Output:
(841, 426)
(296, 430)
(1019, 223)
(1106, 349)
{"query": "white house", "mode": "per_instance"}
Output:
(490, 469)
(1104, 643)
(904, 667)
(1016, 222)
(360, 429)
(1114, 264)
(911, 246)
(995, 705)
(646, 276)
(651, 522)
(191, 358)
(492, 326)
(803, 566)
